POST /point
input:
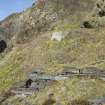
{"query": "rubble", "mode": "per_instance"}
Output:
(39, 80)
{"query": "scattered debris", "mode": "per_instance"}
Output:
(39, 80)
(70, 70)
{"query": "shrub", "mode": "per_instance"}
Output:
(50, 100)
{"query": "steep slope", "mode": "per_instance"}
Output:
(29, 46)
(40, 17)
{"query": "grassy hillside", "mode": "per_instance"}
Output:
(32, 47)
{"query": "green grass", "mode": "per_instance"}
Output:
(8, 76)
(11, 72)
(66, 26)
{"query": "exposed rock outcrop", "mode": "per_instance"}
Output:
(100, 8)
(98, 17)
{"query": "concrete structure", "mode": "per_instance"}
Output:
(58, 36)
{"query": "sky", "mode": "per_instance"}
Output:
(8, 7)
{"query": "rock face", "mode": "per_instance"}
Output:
(98, 19)
(3, 40)
(3, 46)
(22, 27)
